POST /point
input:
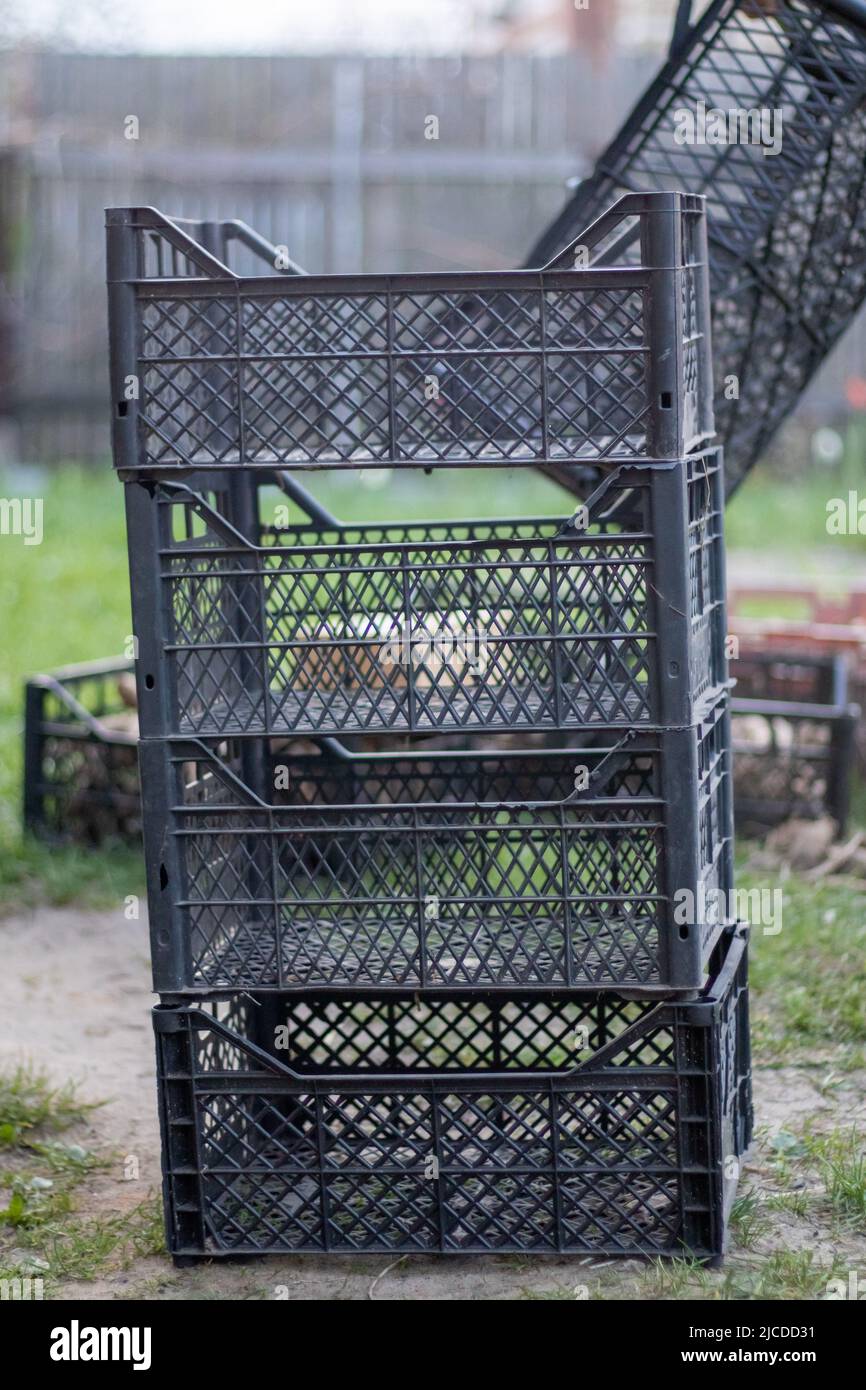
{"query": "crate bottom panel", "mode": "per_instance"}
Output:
(467, 448)
(485, 706)
(475, 951)
(478, 867)
(598, 1125)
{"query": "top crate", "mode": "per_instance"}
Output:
(761, 107)
(582, 361)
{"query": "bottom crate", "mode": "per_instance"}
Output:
(581, 1124)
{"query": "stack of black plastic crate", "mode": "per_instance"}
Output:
(432, 810)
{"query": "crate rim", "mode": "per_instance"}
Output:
(146, 217)
(701, 1012)
(624, 472)
(716, 707)
(55, 683)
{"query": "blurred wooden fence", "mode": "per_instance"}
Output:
(327, 155)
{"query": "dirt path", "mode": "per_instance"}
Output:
(77, 1004)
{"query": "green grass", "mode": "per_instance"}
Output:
(41, 1232)
(28, 1104)
(809, 981)
(782, 1276)
(64, 601)
(779, 1275)
(772, 511)
(839, 1159)
(749, 1219)
(768, 515)
(85, 1248)
(820, 1170)
(38, 1170)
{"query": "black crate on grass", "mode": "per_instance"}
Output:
(588, 1125)
(787, 226)
(211, 369)
(612, 618)
(80, 754)
(793, 738)
(480, 868)
(793, 677)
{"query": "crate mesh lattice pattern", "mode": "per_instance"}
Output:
(625, 1156)
(476, 869)
(494, 368)
(426, 627)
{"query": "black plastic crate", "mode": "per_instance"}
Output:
(574, 362)
(81, 778)
(609, 619)
(485, 868)
(793, 736)
(786, 230)
(591, 1125)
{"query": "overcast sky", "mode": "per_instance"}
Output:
(281, 25)
(234, 26)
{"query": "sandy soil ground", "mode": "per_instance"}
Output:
(76, 989)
